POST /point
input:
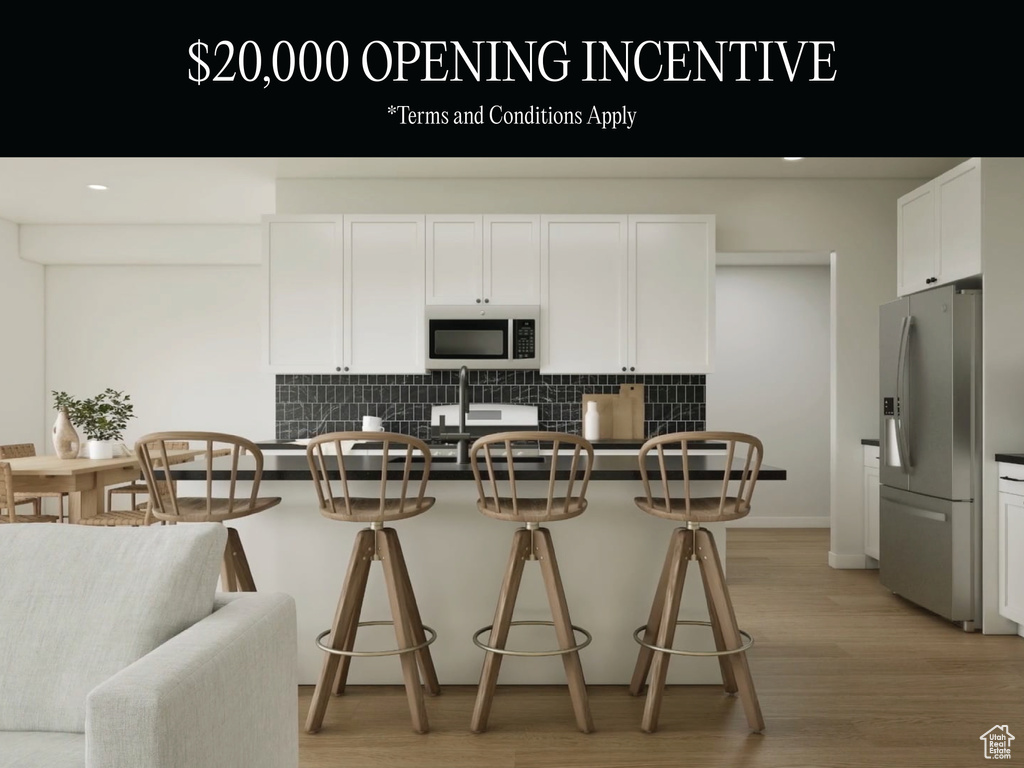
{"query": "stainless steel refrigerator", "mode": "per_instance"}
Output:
(930, 439)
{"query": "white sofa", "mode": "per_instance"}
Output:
(116, 652)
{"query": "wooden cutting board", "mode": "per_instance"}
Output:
(621, 416)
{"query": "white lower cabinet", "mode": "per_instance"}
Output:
(870, 486)
(1011, 541)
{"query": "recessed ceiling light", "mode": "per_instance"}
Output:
(96, 186)
(792, 158)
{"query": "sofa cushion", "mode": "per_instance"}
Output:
(41, 749)
(80, 603)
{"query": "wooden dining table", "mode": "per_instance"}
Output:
(85, 479)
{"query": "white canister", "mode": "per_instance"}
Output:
(373, 424)
(591, 422)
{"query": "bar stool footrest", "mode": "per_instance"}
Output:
(389, 652)
(728, 652)
(508, 652)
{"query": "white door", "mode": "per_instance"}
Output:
(384, 294)
(303, 263)
(511, 266)
(454, 248)
(671, 307)
(583, 293)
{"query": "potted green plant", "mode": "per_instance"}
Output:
(102, 418)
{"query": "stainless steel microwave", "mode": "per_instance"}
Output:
(489, 337)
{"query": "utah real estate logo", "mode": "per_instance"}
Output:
(997, 742)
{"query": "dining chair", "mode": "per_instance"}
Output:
(167, 506)
(138, 487)
(22, 450)
(671, 496)
(9, 502)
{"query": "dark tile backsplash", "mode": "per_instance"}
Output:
(309, 405)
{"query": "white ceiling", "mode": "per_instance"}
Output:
(221, 190)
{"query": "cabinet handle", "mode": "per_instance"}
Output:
(1012, 479)
(623, 368)
(346, 368)
(478, 301)
(632, 368)
(487, 301)
(338, 368)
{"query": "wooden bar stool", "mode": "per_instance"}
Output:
(532, 542)
(694, 542)
(167, 506)
(376, 542)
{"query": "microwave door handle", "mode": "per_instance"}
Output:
(902, 396)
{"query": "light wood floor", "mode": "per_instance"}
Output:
(847, 675)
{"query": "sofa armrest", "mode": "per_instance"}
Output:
(223, 693)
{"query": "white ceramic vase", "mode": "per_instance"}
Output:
(100, 449)
(66, 442)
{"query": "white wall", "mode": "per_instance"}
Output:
(184, 342)
(854, 218)
(1002, 247)
(24, 414)
(772, 380)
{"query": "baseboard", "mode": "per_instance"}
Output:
(779, 522)
(861, 562)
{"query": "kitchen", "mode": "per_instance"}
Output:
(197, 286)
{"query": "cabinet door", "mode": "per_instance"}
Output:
(303, 263)
(871, 483)
(916, 250)
(583, 294)
(958, 199)
(384, 294)
(511, 267)
(1011, 557)
(454, 253)
(671, 305)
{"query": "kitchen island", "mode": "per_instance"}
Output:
(610, 559)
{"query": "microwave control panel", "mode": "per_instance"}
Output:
(524, 339)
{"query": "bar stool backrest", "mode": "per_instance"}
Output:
(7, 491)
(165, 504)
(737, 489)
(501, 498)
(326, 461)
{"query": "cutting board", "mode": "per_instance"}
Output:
(621, 416)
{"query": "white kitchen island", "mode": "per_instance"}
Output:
(610, 560)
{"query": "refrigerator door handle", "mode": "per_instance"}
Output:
(902, 405)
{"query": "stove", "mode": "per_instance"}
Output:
(481, 420)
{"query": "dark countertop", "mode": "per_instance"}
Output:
(369, 468)
(599, 445)
(1010, 458)
(869, 441)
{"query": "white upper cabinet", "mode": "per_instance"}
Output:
(483, 259)
(583, 293)
(383, 325)
(671, 306)
(302, 260)
(939, 230)
(511, 271)
(344, 293)
(628, 294)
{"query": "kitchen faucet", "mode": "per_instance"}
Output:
(461, 436)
